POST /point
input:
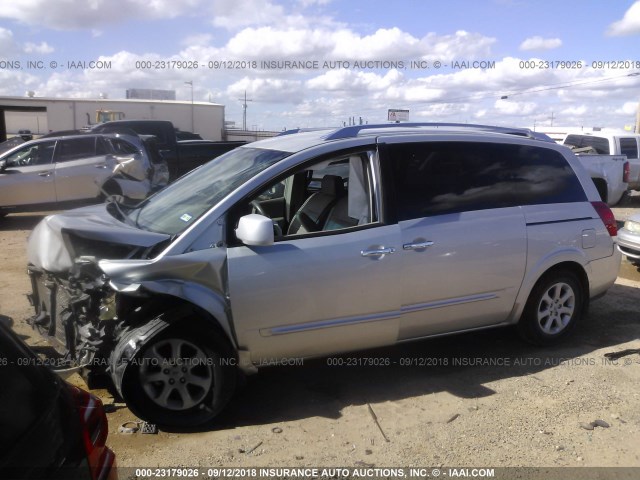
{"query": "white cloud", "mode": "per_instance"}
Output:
(461, 45)
(344, 44)
(42, 48)
(309, 3)
(197, 40)
(270, 90)
(628, 108)
(9, 48)
(509, 107)
(354, 81)
(271, 43)
(232, 14)
(7, 43)
(82, 14)
(448, 111)
(630, 23)
(577, 110)
(539, 43)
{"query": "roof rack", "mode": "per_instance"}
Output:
(353, 131)
(299, 130)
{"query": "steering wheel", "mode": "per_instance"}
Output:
(259, 208)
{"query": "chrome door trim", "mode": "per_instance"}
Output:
(336, 322)
(447, 303)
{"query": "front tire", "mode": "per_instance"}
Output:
(553, 309)
(180, 378)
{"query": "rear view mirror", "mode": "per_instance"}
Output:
(255, 230)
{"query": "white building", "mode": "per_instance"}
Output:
(44, 115)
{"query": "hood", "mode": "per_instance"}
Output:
(50, 247)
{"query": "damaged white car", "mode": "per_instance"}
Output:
(58, 172)
(317, 243)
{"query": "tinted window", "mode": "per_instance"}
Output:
(629, 147)
(439, 178)
(599, 144)
(76, 148)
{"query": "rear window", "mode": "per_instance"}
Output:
(629, 147)
(449, 177)
(600, 145)
(120, 147)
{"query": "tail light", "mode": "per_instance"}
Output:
(606, 215)
(626, 172)
(95, 429)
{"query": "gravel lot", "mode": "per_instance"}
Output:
(481, 400)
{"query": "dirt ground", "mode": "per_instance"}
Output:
(475, 400)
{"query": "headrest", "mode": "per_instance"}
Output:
(332, 185)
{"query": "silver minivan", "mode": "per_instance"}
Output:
(321, 242)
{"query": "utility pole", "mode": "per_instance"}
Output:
(551, 118)
(193, 127)
(244, 110)
(638, 119)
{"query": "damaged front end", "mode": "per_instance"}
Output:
(75, 311)
(75, 308)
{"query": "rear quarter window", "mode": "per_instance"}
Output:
(435, 178)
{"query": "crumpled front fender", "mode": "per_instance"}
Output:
(211, 302)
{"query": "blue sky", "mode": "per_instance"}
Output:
(500, 33)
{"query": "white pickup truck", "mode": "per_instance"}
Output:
(610, 173)
(603, 152)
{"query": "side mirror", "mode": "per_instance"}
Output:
(255, 230)
(3, 165)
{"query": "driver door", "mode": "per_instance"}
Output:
(28, 178)
(318, 293)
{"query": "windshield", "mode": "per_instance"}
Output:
(180, 204)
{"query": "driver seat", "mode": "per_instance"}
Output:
(315, 210)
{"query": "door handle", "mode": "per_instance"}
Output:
(377, 252)
(417, 245)
(101, 166)
(44, 174)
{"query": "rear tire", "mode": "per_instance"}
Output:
(553, 309)
(180, 378)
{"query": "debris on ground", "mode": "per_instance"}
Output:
(621, 353)
(375, 419)
(453, 418)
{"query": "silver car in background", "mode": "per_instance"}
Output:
(316, 243)
(55, 172)
(629, 239)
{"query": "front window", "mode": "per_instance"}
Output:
(333, 195)
(179, 205)
(38, 154)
